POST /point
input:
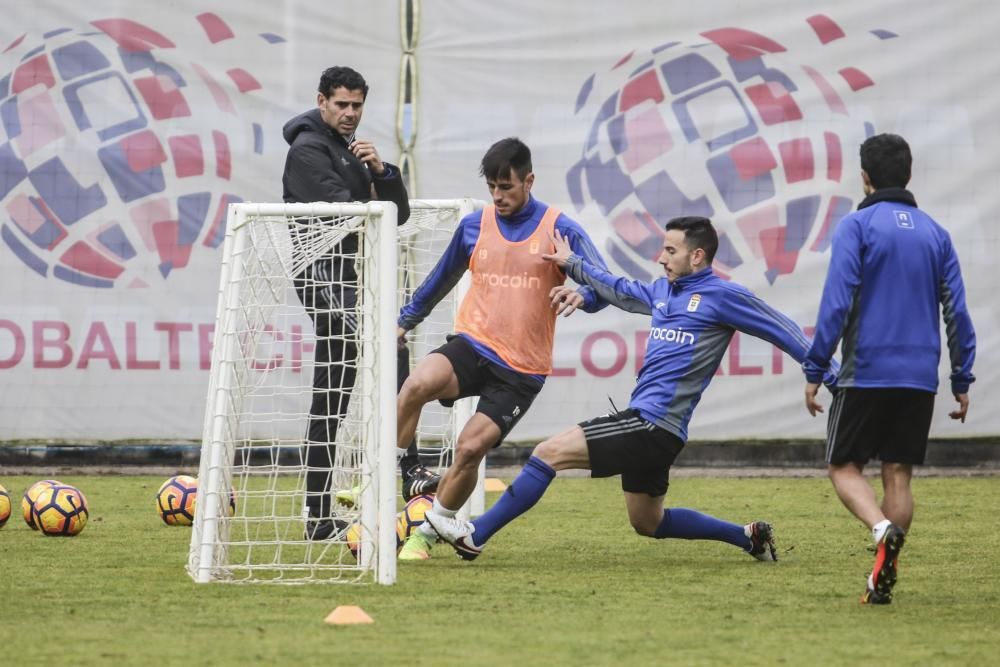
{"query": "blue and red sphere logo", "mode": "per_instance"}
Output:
(116, 151)
(730, 127)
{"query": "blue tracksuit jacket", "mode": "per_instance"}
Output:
(893, 273)
(694, 319)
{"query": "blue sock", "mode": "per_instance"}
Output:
(688, 524)
(520, 496)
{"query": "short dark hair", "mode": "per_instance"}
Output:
(698, 233)
(341, 77)
(506, 156)
(887, 160)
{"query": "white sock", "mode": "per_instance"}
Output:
(438, 508)
(878, 530)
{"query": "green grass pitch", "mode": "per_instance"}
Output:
(568, 584)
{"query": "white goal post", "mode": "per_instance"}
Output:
(297, 279)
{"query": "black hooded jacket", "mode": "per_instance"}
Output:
(320, 167)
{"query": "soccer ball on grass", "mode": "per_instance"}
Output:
(60, 511)
(177, 498)
(406, 522)
(4, 506)
(28, 500)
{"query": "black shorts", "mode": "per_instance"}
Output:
(625, 444)
(504, 395)
(888, 424)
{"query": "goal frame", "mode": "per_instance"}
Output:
(383, 249)
(379, 500)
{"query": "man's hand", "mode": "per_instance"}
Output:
(562, 252)
(963, 407)
(365, 151)
(400, 337)
(565, 300)
(812, 405)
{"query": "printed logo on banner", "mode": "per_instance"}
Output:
(732, 126)
(116, 147)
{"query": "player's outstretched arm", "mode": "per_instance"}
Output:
(443, 277)
(583, 246)
(631, 296)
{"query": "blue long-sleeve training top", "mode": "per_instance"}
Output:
(893, 274)
(694, 319)
(455, 262)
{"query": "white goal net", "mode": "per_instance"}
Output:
(301, 399)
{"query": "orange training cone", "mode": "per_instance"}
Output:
(492, 484)
(348, 615)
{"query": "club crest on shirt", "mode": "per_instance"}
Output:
(533, 247)
(482, 254)
(693, 303)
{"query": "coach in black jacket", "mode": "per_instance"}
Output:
(327, 163)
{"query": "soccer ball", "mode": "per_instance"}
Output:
(406, 522)
(176, 500)
(4, 506)
(412, 516)
(353, 537)
(28, 500)
(61, 510)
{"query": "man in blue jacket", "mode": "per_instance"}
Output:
(891, 268)
(694, 315)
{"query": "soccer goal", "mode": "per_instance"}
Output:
(251, 517)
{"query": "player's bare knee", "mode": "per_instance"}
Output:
(550, 451)
(643, 528)
(415, 391)
(468, 455)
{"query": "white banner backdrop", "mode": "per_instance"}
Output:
(633, 112)
(126, 127)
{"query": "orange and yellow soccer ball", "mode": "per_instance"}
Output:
(406, 522)
(28, 500)
(353, 537)
(176, 499)
(60, 511)
(4, 506)
(412, 516)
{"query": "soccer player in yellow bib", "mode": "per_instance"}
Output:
(502, 347)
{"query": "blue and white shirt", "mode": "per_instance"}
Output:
(694, 319)
(893, 274)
